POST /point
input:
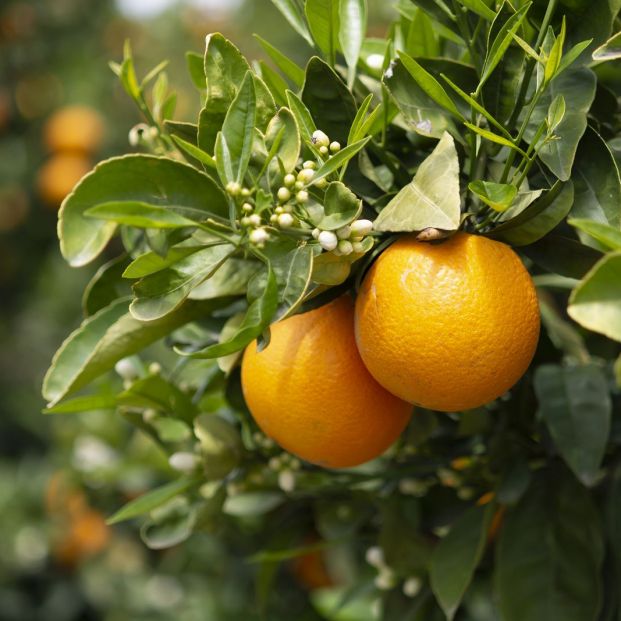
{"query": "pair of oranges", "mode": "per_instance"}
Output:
(72, 134)
(446, 326)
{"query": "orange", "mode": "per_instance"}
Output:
(449, 326)
(57, 177)
(310, 392)
(74, 128)
(311, 571)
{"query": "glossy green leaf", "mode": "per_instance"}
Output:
(106, 337)
(303, 117)
(611, 50)
(330, 269)
(152, 500)
(160, 293)
(480, 8)
(230, 279)
(276, 84)
(174, 525)
(192, 150)
(549, 556)
(498, 196)
(352, 30)
(328, 99)
(292, 13)
(429, 84)
(422, 40)
(283, 62)
(87, 403)
(520, 203)
(324, 23)
(608, 236)
(196, 69)
(596, 302)
(186, 131)
(596, 182)
(556, 113)
(151, 262)
(138, 214)
(431, 199)
(538, 219)
(283, 128)
(554, 57)
(575, 404)
(257, 318)
(341, 206)
(456, 557)
(225, 70)
(339, 159)
(105, 286)
(491, 136)
(141, 178)
(578, 87)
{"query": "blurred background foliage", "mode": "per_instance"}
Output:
(61, 476)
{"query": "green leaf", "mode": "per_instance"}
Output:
(575, 404)
(152, 500)
(173, 525)
(456, 557)
(563, 334)
(274, 82)
(422, 40)
(192, 150)
(501, 42)
(289, 143)
(488, 135)
(341, 206)
(88, 403)
(606, 235)
(554, 57)
(252, 503)
(499, 196)
(230, 279)
(106, 337)
(611, 50)
(578, 87)
(161, 293)
(257, 318)
(302, 116)
(138, 214)
(418, 109)
(105, 286)
(596, 182)
(340, 159)
(330, 269)
(521, 202)
(596, 302)
(328, 99)
(187, 131)
(352, 30)
(221, 446)
(429, 84)
(480, 8)
(293, 274)
(323, 20)
(225, 70)
(292, 13)
(538, 219)
(283, 62)
(556, 113)
(431, 199)
(549, 556)
(141, 178)
(196, 69)
(151, 262)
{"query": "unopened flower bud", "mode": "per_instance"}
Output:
(255, 219)
(335, 147)
(286, 480)
(315, 233)
(183, 462)
(309, 164)
(320, 139)
(375, 556)
(328, 240)
(126, 369)
(289, 180)
(245, 192)
(361, 227)
(302, 196)
(285, 220)
(233, 188)
(412, 586)
(321, 183)
(358, 247)
(306, 175)
(283, 194)
(345, 247)
(259, 236)
(344, 232)
(247, 207)
(323, 150)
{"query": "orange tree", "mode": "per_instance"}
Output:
(410, 173)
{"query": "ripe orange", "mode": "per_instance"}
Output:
(311, 569)
(311, 393)
(74, 128)
(58, 175)
(448, 326)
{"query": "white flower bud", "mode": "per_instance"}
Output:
(315, 233)
(183, 462)
(274, 463)
(279, 210)
(259, 236)
(345, 247)
(309, 164)
(245, 221)
(335, 147)
(321, 183)
(358, 247)
(344, 232)
(361, 227)
(289, 180)
(286, 481)
(283, 194)
(299, 185)
(247, 207)
(136, 133)
(412, 586)
(126, 369)
(155, 368)
(302, 196)
(323, 150)
(375, 557)
(255, 219)
(274, 218)
(245, 192)
(233, 188)
(328, 240)
(386, 579)
(285, 220)
(320, 139)
(306, 175)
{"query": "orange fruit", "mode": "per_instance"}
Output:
(74, 128)
(449, 326)
(310, 392)
(311, 571)
(57, 177)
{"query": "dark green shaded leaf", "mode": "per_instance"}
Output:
(105, 286)
(323, 20)
(606, 235)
